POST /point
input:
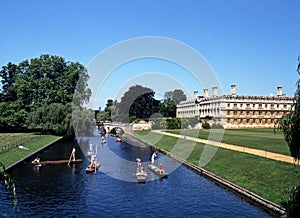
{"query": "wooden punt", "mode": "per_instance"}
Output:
(141, 177)
(119, 140)
(157, 171)
(91, 169)
(54, 162)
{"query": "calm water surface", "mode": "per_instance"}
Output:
(62, 191)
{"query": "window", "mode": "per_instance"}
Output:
(228, 105)
(241, 105)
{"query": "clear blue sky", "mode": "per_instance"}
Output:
(251, 43)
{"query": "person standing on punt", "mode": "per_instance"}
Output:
(73, 153)
(153, 157)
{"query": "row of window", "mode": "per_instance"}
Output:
(251, 121)
(248, 105)
(255, 113)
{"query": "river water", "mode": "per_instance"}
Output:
(62, 191)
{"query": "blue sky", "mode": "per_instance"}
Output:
(251, 43)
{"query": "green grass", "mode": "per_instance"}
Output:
(262, 139)
(265, 177)
(29, 140)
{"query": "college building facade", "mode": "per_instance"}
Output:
(237, 111)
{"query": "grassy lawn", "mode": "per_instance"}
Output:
(31, 141)
(265, 177)
(263, 139)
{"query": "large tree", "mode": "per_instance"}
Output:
(48, 83)
(290, 124)
(177, 96)
(9, 75)
(138, 101)
(171, 99)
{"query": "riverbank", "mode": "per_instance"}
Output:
(227, 171)
(26, 150)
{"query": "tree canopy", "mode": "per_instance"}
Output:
(138, 101)
(290, 123)
(171, 99)
(38, 93)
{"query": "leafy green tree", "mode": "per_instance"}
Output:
(171, 99)
(290, 124)
(9, 75)
(41, 85)
(167, 108)
(54, 118)
(103, 116)
(178, 96)
(137, 101)
(83, 121)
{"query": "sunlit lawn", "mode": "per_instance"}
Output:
(29, 140)
(265, 177)
(263, 139)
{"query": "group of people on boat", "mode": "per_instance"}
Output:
(160, 168)
(139, 169)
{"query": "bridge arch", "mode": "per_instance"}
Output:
(117, 131)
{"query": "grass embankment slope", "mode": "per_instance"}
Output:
(265, 177)
(13, 153)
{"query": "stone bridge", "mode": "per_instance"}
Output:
(119, 127)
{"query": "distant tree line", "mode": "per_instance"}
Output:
(139, 103)
(41, 93)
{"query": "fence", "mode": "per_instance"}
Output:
(16, 144)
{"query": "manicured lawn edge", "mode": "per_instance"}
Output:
(164, 144)
(17, 156)
(262, 139)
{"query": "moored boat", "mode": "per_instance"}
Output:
(54, 162)
(119, 140)
(160, 172)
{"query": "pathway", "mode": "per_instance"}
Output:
(266, 154)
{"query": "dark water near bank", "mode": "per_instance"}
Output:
(62, 191)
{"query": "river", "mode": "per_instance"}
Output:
(62, 191)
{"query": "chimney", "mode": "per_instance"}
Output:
(215, 91)
(205, 93)
(279, 91)
(233, 89)
(195, 94)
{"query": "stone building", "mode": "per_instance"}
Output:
(237, 111)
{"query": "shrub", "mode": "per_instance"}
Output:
(205, 125)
